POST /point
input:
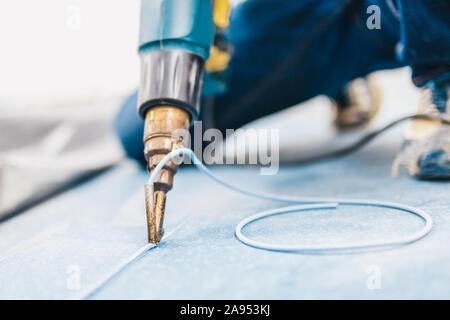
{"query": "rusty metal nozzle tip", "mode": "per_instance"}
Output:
(155, 202)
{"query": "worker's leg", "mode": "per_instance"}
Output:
(425, 39)
(129, 127)
(286, 54)
(425, 46)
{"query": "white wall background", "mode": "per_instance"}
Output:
(67, 50)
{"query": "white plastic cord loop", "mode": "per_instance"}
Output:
(303, 204)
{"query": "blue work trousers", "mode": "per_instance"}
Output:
(288, 51)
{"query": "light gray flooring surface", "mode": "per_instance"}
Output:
(62, 247)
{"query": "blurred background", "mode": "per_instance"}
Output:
(67, 50)
(65, 68)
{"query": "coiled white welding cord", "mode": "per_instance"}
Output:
(304, 204)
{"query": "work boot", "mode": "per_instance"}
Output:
(357, 105)
(426, 147)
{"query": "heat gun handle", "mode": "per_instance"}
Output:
(174, 43)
